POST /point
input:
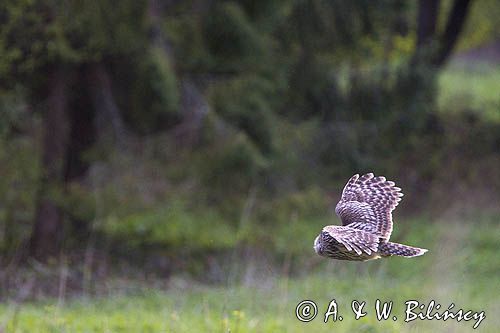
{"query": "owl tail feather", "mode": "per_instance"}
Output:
(389, 248)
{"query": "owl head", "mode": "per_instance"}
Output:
(318, 248)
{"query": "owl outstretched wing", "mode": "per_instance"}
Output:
(367, 203)
(353, 239)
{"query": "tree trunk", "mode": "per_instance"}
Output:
(82, 136)
(426, 31)
(427, 18)
(454, 25)
(46, 235)
(433, 48)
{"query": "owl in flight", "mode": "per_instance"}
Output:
(365, 210)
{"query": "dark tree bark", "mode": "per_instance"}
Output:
(434, 48)
(454, 26)
(46, 236)
(69, 127)
(82, 136)
(82, 133)
(427, 18)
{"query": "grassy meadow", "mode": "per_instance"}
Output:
(473, 88)
(461, 267)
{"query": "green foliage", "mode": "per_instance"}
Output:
(232, 39)
(24, 39)
(20, 170)
(99, 29)
(164, 84)
(77, 202)
(185, 32)
(482, 25)
(173, 226)
(12, 111)
(237, 162)
(148, 80)
(301, 213)
(246, 103)
(35, 34)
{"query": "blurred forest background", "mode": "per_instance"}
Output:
(150, 139)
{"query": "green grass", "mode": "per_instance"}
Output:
(475, 89)
(462, 267)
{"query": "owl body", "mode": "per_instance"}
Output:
(365, 209)
(327, 246)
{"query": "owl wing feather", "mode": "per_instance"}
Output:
(367, 203)
(353, 239)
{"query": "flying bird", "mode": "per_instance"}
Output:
(365, 209)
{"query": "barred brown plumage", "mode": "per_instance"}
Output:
(365, 209)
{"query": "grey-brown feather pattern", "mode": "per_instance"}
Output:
(367, 203)
(346, 243)
(354, 239)
(365, 209)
